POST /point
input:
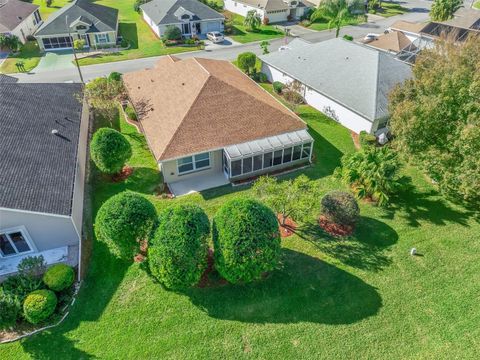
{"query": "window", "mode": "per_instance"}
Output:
(267, 160)
(236, 167)
(297, 151)
(247, 165)
(81, 27)
(257, 162)
(186, 28)
(193, 163)
(101, 38)
(37, 18)
(57, 42)
(306, 150)
(287, 155)
(277, 157)
(185, 17)
(14, 242)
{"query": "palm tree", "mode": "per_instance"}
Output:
(252, 20)
(337, 12)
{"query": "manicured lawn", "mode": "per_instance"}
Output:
(242, 35)
(322, 24)
(45, 11)
(391, 9)
(363, 297)
(29, 55)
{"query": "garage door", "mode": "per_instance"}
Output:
(57, 42)
(213, 26)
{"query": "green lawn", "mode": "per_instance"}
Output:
(242, 35)
(477, 5)
(363, 297)
(391, 9)
(322, 24)
(29, 55)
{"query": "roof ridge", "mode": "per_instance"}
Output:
(203, 67)
(377, 88)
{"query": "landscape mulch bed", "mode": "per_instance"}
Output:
(288, 229)
(123, 175)
(207, 280)
(356, 139)
(333, 229)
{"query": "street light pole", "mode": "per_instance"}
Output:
(73, 49)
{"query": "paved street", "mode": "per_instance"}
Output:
(419, 12)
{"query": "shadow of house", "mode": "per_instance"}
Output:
(364, 250)
(306, 289)
(129, 32)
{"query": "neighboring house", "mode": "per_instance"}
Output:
(96, 24)
(348, 82)
(209, 124)
(271, 11)
(43, 132)
(19, 18)
(392, 42)
(192, 17)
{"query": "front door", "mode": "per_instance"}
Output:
(186, 30)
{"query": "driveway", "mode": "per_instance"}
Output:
(52, 61)
(209, 45)
(3, 56)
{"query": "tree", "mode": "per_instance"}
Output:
(177, 252)
(372, 173)
(340, 207)
(294, 198)
(264, 46)
(123, 221)
(246, 240)
(292, 92)
(337, 12)
(435, 117)
(442, 10)
(110, 150)
(252, 20)
(78, 44)
(10, 42)
(103, 95)
(172, 33)
(10, 309)
(246, 62)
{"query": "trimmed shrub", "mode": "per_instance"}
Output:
(115, 76)
(109, 150)
(59, 277)
(124, 220)
(10, 308)
(21, 285)
(348, 37)
(246, 61)
(293, 97)
(246, 240)
(130, 111)
(39, 305)
(278, 87)
(124, 43)
(341, 208)
(367, 139)
(172, 33)
(177, 252)
(260, 77)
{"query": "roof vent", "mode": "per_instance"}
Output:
(54, 132)
(347, 58)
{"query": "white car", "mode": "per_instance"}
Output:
(216, 37)
(371, 37)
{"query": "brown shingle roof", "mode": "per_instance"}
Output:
(394, 41)
(195, 105)
(408, 26)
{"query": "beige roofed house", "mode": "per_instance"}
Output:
(206, 117)
(394, 41)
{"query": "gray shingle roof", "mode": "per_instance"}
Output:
(37, 168)
(13, 12)
(103, 18)
(351, 74)
(163, 11)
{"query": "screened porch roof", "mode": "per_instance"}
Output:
(268, 144)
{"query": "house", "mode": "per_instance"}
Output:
(392, 42)
(271, 11)
(208, 124)
(44, 130)
(348, 82)
(83, 19)
(192, 17)
(19, 18)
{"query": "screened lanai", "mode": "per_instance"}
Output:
(267, 154)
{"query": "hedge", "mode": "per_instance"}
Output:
(10, 308)
(109, 150)
(246, 240)
(177, 253)
(59, 277)
(39, 305)
(123, 220)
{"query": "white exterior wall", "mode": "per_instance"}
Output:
(150, 23)
(278, 16)
(329, 107)
(28, 26)
(170, 172)
(240, 8)
(47, 231)
(215, 25)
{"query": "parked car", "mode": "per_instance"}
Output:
(371, 37)
(216, 37)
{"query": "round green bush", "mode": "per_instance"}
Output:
(59, 277)
(109, 150)
(39, 305)
(246, 61)
(115, 76)
(278, 87)
(124, 220)
(246, 240)
(10, 308)
(172, 33)
(177, 252)
(341, 208)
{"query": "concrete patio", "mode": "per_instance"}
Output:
(198, 183)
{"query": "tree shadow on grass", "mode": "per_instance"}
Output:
(93, 298)
(364, 250)
(306, 289)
